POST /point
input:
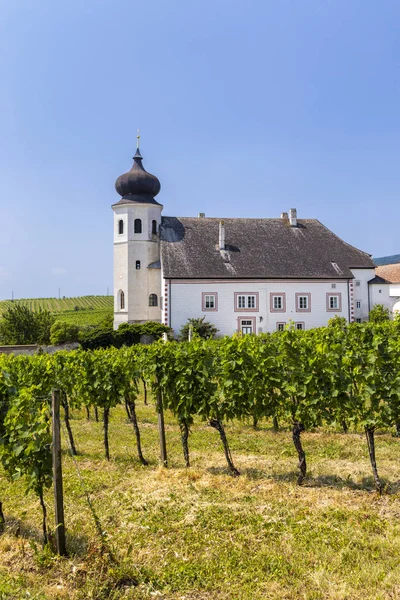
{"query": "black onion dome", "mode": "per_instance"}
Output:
(137, 181)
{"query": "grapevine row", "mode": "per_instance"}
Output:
(346, 375)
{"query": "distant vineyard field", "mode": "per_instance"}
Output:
(81, 310)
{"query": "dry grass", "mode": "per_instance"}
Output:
(191, 534)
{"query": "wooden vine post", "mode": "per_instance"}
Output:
(161, 430)
(57, 475)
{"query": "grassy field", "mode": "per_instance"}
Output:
(198, 533)
(81, 310)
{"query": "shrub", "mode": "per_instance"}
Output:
(62, 332)
(203, 328)
(98, 337)
(129, 334)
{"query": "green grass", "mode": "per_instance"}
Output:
(198, 533)
(81, 310)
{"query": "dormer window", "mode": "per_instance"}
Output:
(138, 226)
(154, 227)
(120, 227)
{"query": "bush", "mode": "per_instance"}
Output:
(20, 325)
(203, 328)
(97, 337)
(62, 332)
(127, 334)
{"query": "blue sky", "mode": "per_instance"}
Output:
(245, 109)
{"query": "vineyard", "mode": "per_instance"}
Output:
(257, 401)
(80, 310)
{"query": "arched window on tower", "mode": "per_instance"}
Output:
(121, 300)
(138, 226)
(120, 227)
(153, 300)
(154, 227)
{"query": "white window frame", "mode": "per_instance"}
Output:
(300, 325)
(300, 297)
(246, 301)
(329, 298)
(247, 322)
(272, 297)
(205, 299)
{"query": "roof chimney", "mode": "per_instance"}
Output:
(285, 216)
(221, 241)
(201, 215)
(293, 217)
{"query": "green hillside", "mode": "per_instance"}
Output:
(81, 310)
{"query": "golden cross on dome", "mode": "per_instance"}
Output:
(138, 139)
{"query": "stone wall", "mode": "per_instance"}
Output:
(33, 349)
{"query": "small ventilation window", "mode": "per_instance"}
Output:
(138, 264)
(153, 300)
(120, 227)
(138, 226)
(333, 286)
(358, 283)
(154, 227)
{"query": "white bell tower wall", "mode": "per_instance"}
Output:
(137, 270)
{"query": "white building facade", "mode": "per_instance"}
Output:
(247, 275)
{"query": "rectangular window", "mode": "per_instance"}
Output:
(358, 304)
(209, 300)
(358, 320)
(358, 283)
(245, 301)
(280, 326)
(334, 302)
(277, 302)
(333, 286)
(138, 264)
(300, 325)
(303, 302)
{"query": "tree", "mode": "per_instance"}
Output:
(20, 325)
(379, 314)
(203, 328)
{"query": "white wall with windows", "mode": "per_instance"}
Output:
(360, 297)
(254, 306)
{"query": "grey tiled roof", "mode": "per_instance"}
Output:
(256, 248)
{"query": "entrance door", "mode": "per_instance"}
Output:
(246, 326)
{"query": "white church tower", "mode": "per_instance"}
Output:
(137, 268)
